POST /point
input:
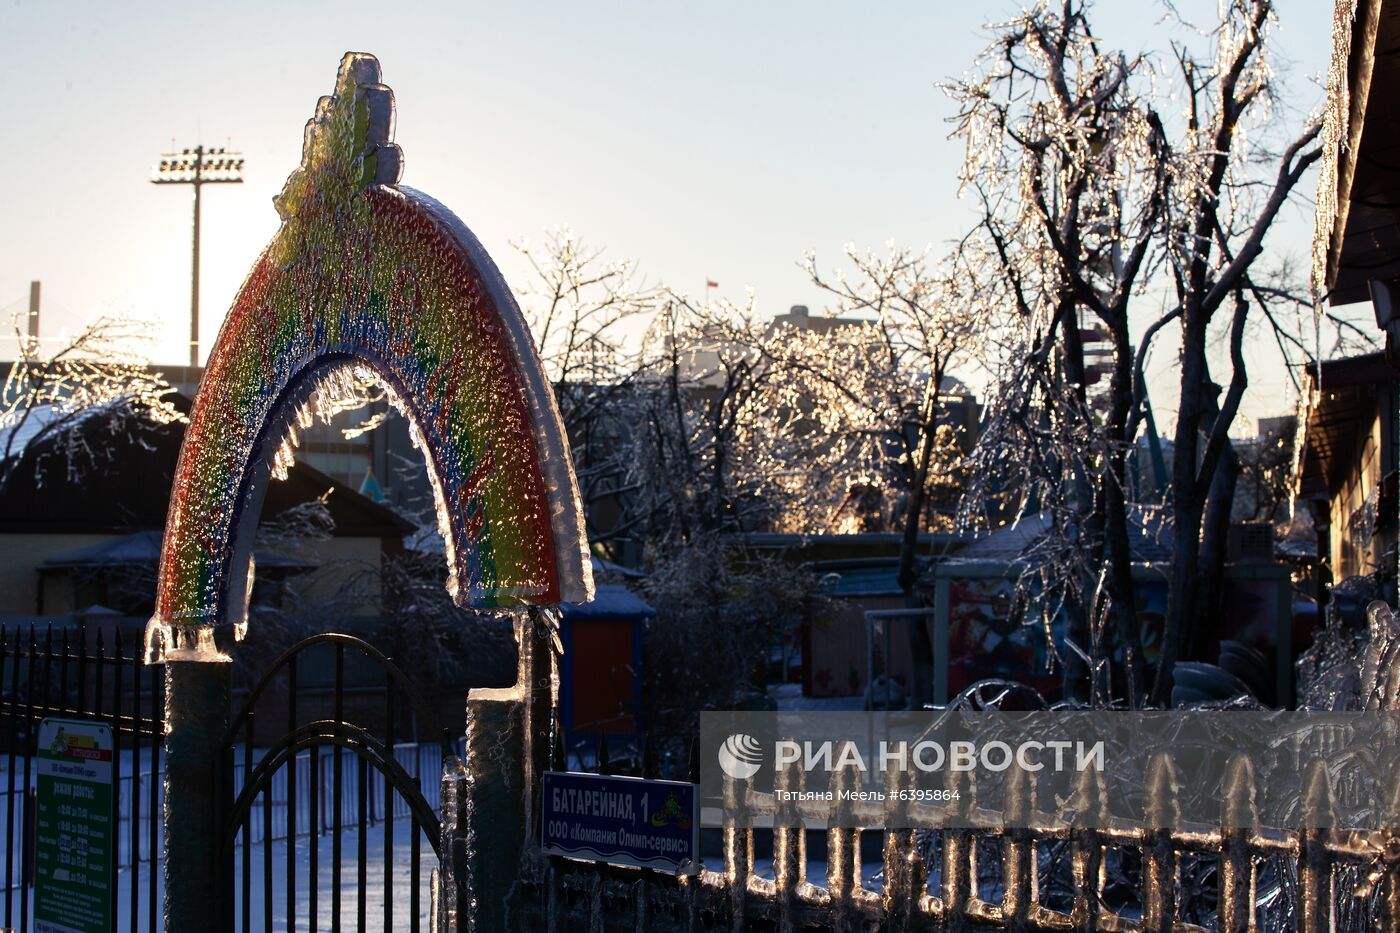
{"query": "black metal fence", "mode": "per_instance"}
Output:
(330, 784)
(90, 672)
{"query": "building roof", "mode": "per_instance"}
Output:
(142, 548)
(1149, 538)
(877, 576)
(1345, 391)
(18, 435)
(1358, 214)
(127, 489)
(610, 601)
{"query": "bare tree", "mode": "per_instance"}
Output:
(717, 610)
(1068, 162)
(96, 377)
(916, 327)
(700, 395)
(1223, 209)
(1265, 486)
(1111, 185)
(580, 308)
(584, 311)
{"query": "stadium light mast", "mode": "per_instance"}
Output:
(197, 167)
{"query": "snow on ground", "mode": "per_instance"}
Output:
(789, 698)
(398, 881)
(399, 884)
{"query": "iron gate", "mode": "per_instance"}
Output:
(333, 770)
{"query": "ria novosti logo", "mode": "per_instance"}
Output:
(740, 756)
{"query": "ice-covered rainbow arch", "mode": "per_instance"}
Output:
(366, 274)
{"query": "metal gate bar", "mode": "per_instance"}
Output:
(381, 784)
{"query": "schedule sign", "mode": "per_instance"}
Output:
(624, 821)
(74, 833)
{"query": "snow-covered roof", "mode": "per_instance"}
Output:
(40, 417)
(25, 429)
(141, 548)
(1149, 538)
(610, 601)
(860, 577)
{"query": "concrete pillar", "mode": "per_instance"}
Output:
(490, 805)
(197, 795)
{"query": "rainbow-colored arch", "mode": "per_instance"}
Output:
(366, 273)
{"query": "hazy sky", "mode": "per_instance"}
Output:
(716, 140)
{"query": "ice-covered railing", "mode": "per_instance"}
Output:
(959, 878)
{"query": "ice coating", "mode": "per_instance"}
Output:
(369, 275)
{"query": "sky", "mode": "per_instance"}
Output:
(707, 141)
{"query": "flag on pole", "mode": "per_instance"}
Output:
(710, 284)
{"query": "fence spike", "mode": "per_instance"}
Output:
(642, 892)
(63, 672)
(842, 843)
(1018, 863)
(1158, 856)
(1088, 812)
(1314, 864)
(901, 857)
(100, 655)
(957, 852)
(554, 890)
(597, 922)
(1239, 818)
(789, 844)
(738, 849)
(48, 669)
(691, 903)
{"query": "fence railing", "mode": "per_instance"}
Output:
(1058, 874)
(82, 672)
(148, 797)
(422, 761)
(95, 672)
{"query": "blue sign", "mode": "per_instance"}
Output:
(621, 820)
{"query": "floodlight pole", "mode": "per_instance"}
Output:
(194, 259)
(198, 167)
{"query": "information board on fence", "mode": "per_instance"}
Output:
(620, 820)
(74, 833)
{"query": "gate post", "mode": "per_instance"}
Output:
(489, 800)
(196, 792)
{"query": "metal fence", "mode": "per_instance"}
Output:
(422, 761)
(1056, 875)
(97, 673)
(82, 672)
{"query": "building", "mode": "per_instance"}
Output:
(1348, 462)
(801, 317)
(74, 533)
(835, 649)
(1357, 242)
(381, 462)
(1347, 469)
